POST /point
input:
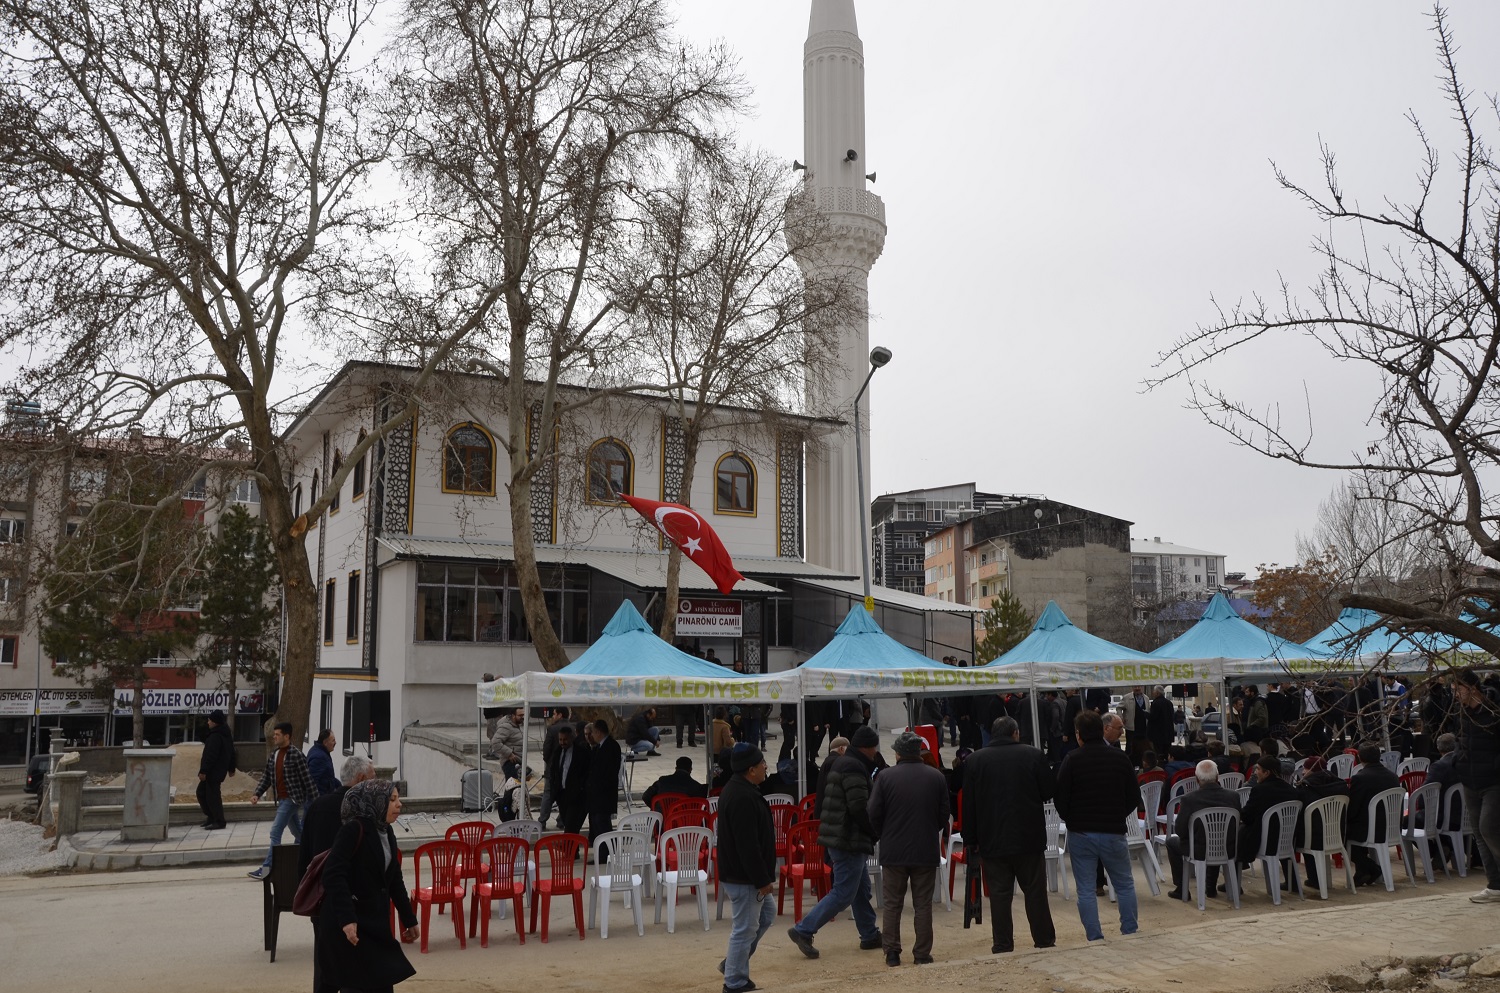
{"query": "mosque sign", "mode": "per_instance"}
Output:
(698, 618)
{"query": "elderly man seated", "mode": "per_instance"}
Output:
(1208, 794)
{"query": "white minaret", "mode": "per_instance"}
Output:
(833, 92)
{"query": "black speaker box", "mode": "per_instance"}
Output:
(367, 716)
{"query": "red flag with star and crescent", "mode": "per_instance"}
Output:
(686, 528)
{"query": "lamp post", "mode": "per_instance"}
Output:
(878, 357)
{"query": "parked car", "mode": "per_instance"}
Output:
(36, 773)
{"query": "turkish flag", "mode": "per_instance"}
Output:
(686, 528)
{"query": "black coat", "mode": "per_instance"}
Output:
(1264, 796)
(358, 888)
(747, 838)
(1202, 799)
(1478, 753)
(1367, 781)
(218, 754)
(1161, 722)
(845, 803)
(570, 795)
(1096, 788)
(320, 826)
(604, 777)
(1006, 785)
(908, 810)
(677, 782)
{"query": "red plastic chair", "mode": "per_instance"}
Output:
(445, 861)
(691, 811)
(1413, 781)
(782, 819)
(663, 802)
(564, 877)
(471, 833)
(806, 805)
(805, 863)
(498, 860)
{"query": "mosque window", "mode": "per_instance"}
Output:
(735, 491)
(469, 461)
(611, 471)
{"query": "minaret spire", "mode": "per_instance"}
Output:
(833, 91)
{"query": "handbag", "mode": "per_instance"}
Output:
(973, 892)
(308, 901)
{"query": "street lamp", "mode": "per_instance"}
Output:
(878, 357)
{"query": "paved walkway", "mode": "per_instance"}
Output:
(245, 841)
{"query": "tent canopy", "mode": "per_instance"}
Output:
(862, 660)
(1064, 655)
(1339, 638)
(629, 664)
(1223, 634)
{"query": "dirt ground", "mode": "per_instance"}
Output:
(240, 786)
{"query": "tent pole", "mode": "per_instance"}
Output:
(797, 751)
(525, 811)
(911, 712)
(1036, 721)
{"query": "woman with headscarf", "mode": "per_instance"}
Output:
(361, 879)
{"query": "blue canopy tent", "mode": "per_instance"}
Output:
(628, 664)
(1224, 634)
(1343, 638)
(1059, 652)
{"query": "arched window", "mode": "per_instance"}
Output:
(469, 461)
(735, 487)
(338, 463)
(611, 471)
(297, 501)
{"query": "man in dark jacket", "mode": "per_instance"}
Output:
(747, 862)
(849, 838)
(603, 784)
(908, 810)
(1006, 785)
(568, 773)
(319, 828)
(836, 749)
(320, 763)
(1096, 791)
(1369, 779)
(215, 765)
(1270, 790)
(1208, 794)
(680, 781)
(642, 734)
(1317, 783)
(1161, 724)
(1478, 765)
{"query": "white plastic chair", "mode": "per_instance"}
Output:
(1167, 822)
(1342, 766)
(1392, 761)
(1453, 813)
(1323, 838)
(776, 799)
(939, 886)
(647, 822)
(1057, 850)
(1174, 797)
(529, 830)
(1151, 803)
(713, 804)
(1413, 764)
(1380, 845)
(1244, 794)
(1217, 823)
(1272, 852)
(686, 844)
(1420, 828)
(1231, 780)
(1143, 851)
(617, 873)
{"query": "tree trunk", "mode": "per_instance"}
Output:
(690, 434)
(138, 709)
(544, 638)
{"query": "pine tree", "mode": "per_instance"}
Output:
(1006, 622)
(240, 614)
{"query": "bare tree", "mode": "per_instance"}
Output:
(1411, 292)
(532, 129)
(728, 317)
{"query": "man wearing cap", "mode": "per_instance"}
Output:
(747, 862)
(836, 749)
(909, 810)
(1007, 784)
(849, 838)
(215, 765)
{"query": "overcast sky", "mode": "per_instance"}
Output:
(1067, 186)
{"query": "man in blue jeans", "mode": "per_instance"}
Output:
(747, 862)
(1096, 791)
(286, 778)
(847, 835)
